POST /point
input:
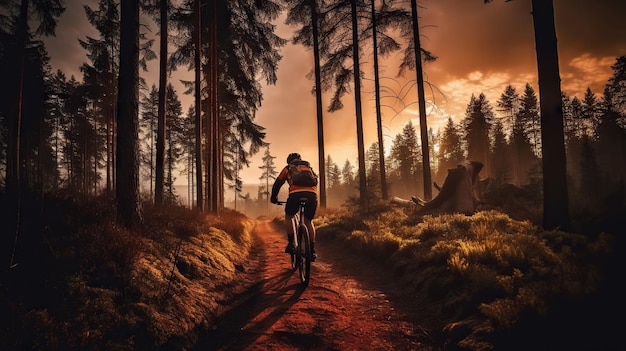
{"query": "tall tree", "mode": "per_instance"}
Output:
(46, 12)
(268, 175)
(530, 117)
(357, 103)
(175, 141)
(348, 177)
(523, 159)
(590, 111)
(422, 103)
(148, 127)
(213, 125)
(334, 174)
(319, 110)
(404, 160)
(611, 141)
(197, 51)
(555, 195)
(306, 13)
(615, 89)
(379, 122)
(373, 170)
(127, 189)
(499, 155)
(451, 150)
(101, 75)
(246, 51)
(508, 105)
(162, 121)
(477, 126)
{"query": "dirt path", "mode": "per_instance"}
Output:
(345, 306)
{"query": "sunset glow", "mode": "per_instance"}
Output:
(481, 48)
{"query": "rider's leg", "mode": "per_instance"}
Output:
(289, 229)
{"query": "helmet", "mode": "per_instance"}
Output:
(293, 156)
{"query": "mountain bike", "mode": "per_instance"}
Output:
(301, 257)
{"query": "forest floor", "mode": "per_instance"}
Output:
(349, 304)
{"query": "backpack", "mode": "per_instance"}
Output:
(301, 173)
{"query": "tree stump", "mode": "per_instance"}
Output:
(460, 192)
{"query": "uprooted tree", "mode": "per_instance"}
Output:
(460, 192)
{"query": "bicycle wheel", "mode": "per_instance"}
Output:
(294, 257)
(304, 255)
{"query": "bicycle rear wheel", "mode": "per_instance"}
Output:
(304, 255)
(295, 258)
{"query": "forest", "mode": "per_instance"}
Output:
(68, 129)
(110, 138)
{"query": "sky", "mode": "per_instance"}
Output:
(480, 48)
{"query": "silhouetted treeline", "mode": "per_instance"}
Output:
(506, 139)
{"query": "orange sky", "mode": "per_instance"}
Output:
(480, 49)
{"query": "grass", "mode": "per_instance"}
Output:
(488, 279)
(83, 282)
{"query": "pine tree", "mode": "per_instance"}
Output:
(404, 162)
(268, 175)
(508, 105)
(499, 154)
(451, 151)
(148, 131)
(477, 127)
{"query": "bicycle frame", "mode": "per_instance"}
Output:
(301, 259)
(297, 221)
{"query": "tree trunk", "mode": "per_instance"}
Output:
(555, 194)
(357, 102)
(460, 192)
(214, 134)
(127, 177)
(161, 124)
(379, 122)
(13, 171)
(318, 103)
(199, 185)
(428, 193)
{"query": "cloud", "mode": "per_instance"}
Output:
(585, 72)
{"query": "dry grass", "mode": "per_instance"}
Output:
(488, 281)
(485, 276)
(85, 283)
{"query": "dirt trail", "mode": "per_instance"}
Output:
(347, 305)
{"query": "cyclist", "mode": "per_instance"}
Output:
(298, 189)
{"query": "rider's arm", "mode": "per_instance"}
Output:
(278, 183)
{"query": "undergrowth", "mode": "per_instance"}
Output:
(83, 282)
(486, 276)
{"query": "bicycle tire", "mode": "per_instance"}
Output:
(293, 255)
(304, 255)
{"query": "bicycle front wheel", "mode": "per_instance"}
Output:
(304, 255)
